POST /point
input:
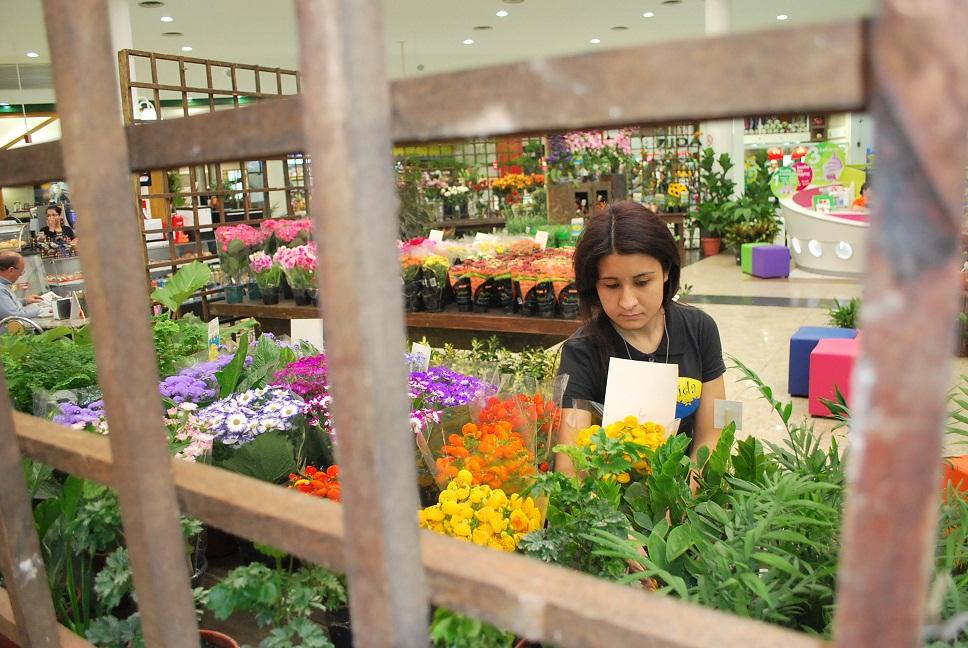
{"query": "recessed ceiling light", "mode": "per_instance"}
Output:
(501, 14)
(4, 104)
(468, 41)
(482, 27)
(32, 54)
(151, 4)
(648, 14)
(187, 48)
(595, 41)
(619, 28)
(782, 17)
(167, 19)
(172, 34)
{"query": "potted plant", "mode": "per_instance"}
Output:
(268, 274)
(299, 265)
(716, 189)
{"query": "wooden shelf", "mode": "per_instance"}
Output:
(450, 319)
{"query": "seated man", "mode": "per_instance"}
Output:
(11, 268)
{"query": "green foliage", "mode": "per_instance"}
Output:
(414, 213)
(110, 632)
(176, 340)
(267, 359)
(716, 190)
(957, 424)
(751, 218)
(844, 315)
(115, 579)
(532, 362)
(283, 599)
(182, 285)
(270, 457)
(51, 361)
(452, 630)
(228, 378)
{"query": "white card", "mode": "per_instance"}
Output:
(421, 354)
(725, 411)
(541, 238)
(647, 390)
(436, 235)
(213, 339)
(310, 330)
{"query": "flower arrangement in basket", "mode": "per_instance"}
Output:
(299, 265)
(235, 243)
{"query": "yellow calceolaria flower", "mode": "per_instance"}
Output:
(648, 434)
(482, 515)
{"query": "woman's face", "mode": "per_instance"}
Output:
(53, 219)
(630, 288)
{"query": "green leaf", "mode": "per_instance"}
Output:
(756, 585)
(188, 279)
(270, 457)
(228, 378)
(772, 560)
(679, 540)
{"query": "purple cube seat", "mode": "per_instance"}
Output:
(770, 261)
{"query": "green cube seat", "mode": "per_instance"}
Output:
(746, 256)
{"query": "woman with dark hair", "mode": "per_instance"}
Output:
(627, 272)
(56, 226)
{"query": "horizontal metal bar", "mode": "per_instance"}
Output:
(535, 600)
(8, 628)
(731, 76)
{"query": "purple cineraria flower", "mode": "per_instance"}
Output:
(81, 417)
(240, 418)
(439, 388)
(196, 384)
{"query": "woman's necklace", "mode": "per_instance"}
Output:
(650, 356)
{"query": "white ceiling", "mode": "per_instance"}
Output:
(417, 32)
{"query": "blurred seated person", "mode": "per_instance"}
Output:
(11, 268)
(863, 201)
(56, 225)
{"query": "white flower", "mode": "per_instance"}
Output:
(188, 407)
(245, 398)
(259, 393)
(289, 411)
(237, 423)
(271, 407)
(272, 423)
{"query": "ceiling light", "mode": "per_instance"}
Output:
(595, 41)
(4, 104)
(151, 4)
(32, 54)
(187, 48)
(167, 19)
(468, 41)
(648, 14)
(619, 28)
(782, 17)
(172, 34)
(501, 14)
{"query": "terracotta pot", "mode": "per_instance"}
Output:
(711, 246)
(214, 638)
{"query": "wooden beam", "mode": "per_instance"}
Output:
(19, 138)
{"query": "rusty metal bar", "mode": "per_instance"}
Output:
(539, 601)
(96, 161)
(8, 626)
(346, 125)
(20, 557)
(912, 299)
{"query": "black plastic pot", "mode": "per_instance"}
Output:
(544, 294)
(301, 297)
(412, 299)
(568, 300)
(462, 295)
(432, 292)
(504, 291)
(482, 298)
(530, 305)
(270, 295)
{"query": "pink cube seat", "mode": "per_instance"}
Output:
(831, 365)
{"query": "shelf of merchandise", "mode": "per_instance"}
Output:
(760, 140)
(450, 319)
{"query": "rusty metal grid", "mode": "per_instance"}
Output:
(914, 271)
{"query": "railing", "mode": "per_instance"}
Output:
(912, 69)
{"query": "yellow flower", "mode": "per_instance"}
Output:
(508, 543)
(623, 478)
(481, 535)
(449, 508)
(464, 478)
(462, 493)
(486, 514)
(519, 521)
(466, 511)
(434, 514)
(461, 529)
(447, 496)
(499, 523)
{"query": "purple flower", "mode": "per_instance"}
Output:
(80, 416)
(240, 418)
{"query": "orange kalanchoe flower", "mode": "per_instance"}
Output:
(319, 483)
(492, 453)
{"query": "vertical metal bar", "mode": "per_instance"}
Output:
(20, 557)
(96, 161)
(347, 130)
(919, 65)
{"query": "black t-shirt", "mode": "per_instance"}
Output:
(693, 343)
(66, 232)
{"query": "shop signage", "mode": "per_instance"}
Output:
(804, 174)
(784, 182)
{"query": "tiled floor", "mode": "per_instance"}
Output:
(759, 335)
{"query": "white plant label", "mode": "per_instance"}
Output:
(725, 411)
